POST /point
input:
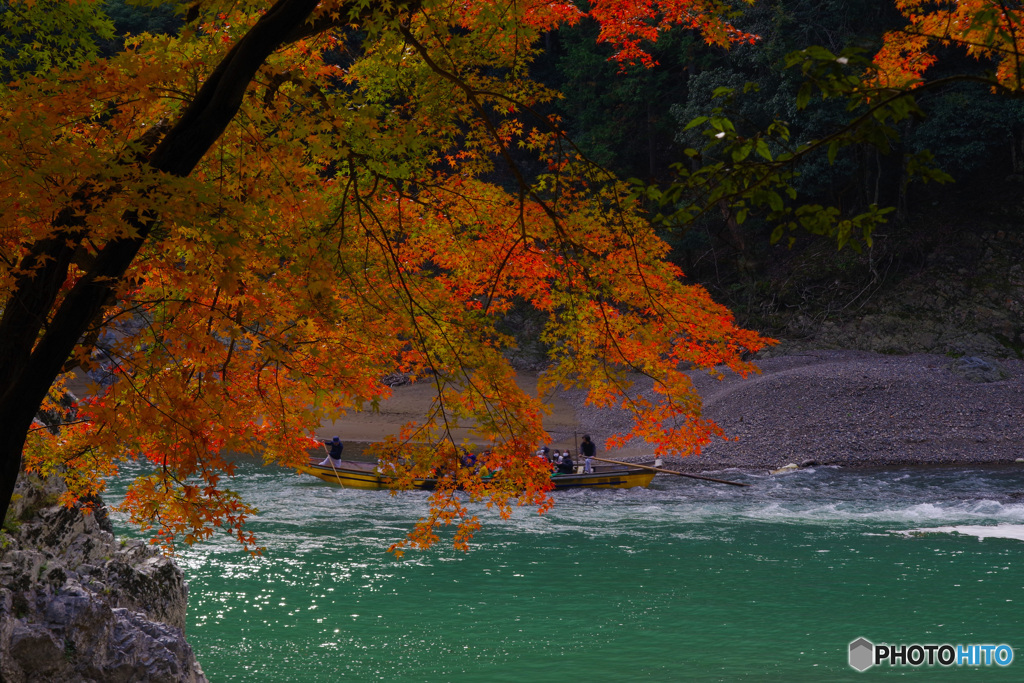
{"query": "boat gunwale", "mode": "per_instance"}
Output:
(365, 472)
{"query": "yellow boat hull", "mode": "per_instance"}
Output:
(626, 478)
(357, 475)
(363, 475)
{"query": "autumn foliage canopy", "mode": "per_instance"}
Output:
(241, 228)
(988, 30)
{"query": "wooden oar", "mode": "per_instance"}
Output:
(678, 474)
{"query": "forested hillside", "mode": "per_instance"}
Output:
(943, 272)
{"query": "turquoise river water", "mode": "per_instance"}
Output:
(684, 581)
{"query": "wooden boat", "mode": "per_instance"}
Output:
(355, 474)
(364, 475)
(605, 477)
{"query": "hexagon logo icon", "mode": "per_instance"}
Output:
(862, 654)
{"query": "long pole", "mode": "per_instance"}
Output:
(576, 450)
(331, 460)
(678, 474)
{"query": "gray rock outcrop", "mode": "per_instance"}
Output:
(977, 369)
(77, 606)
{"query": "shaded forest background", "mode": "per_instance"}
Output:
(943, 275)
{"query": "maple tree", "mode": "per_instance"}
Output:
(988, 30)
(246, 225)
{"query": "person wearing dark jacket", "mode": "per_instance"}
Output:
(565, 464)
(334, 455)
(588, 449)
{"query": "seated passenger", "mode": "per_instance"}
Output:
(565, 464)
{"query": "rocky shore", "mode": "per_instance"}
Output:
(76, 606)
(851, 408)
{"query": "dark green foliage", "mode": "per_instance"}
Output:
(142, 16)
(133, 18)
(620, 116)
(48, 35)
(635, 120)
(784, 94)
(968, 128)
(781, 152)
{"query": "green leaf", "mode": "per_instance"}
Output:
(833, 149)
(742, 152)
(700, 120)
(803, 96)
(763, 150)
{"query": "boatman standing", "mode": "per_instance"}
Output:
(334, 454)
(588, 449)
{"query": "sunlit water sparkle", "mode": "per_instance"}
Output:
(683, 581)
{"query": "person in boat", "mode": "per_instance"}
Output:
(485, 470)
(588, 449)
(334, 455)
(565, 464)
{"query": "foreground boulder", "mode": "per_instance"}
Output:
(76, 605)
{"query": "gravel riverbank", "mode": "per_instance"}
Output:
(850, 408)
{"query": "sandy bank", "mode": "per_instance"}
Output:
(835, 407)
